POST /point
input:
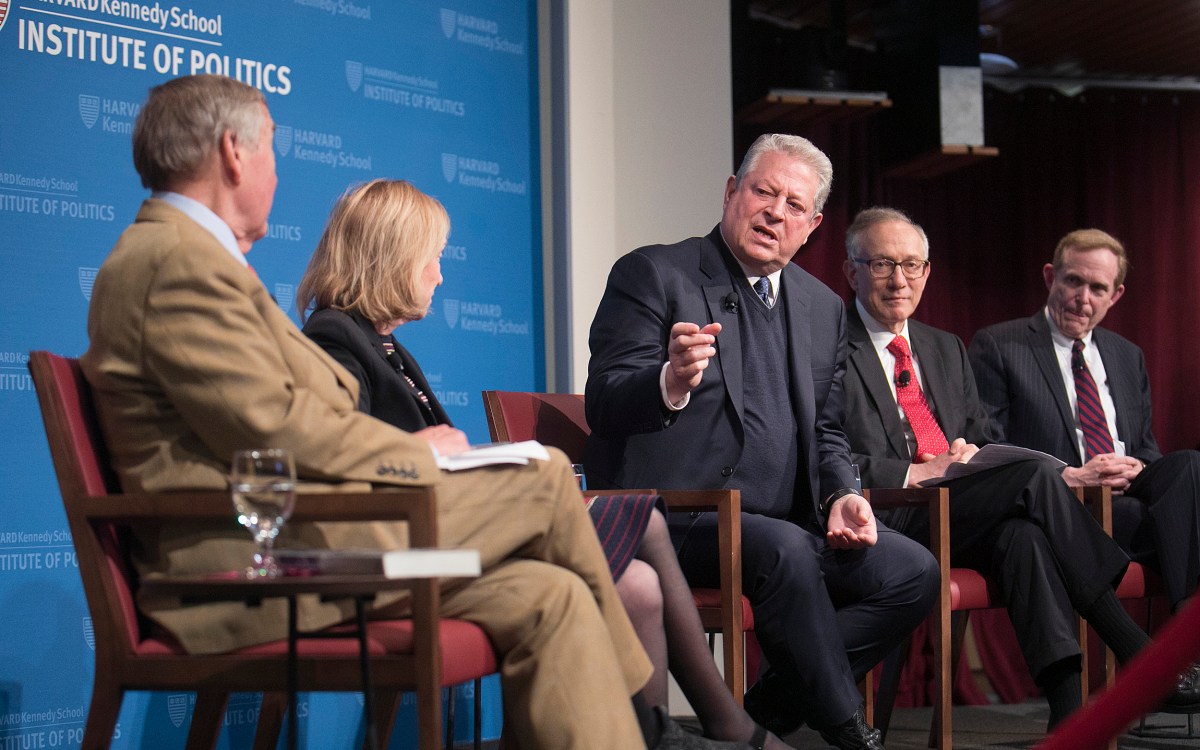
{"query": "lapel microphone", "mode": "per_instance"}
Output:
(904, 378)
(731, 303)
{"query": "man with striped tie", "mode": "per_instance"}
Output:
(913, 411)
(1059, 383)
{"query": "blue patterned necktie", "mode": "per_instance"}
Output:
(763, 288)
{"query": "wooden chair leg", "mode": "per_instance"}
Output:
(451, 699)
(387, 703)
(867, 689)
(102, 716)
(207, 718)
(889, 684)
(939, 733)
(478, 713)
(733, 647)
(270, 721)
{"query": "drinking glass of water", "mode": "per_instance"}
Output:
(263, 486)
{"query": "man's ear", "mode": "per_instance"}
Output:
(851, 273)
(231, 158)
(1048, 274)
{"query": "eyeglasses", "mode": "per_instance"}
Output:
(882, 268)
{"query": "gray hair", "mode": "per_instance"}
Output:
(799, 148)
(870, 217)
(182, 123)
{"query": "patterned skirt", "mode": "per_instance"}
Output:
(621, 522)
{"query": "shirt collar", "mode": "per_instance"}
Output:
(753, 277)
(750, 275)
(880, 335)
(203, 215)
(1061, 339)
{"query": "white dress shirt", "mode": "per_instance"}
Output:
(1091, 355)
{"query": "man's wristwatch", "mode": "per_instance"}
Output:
(827, 504)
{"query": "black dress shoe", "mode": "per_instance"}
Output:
(768, 704)
(853, 734)
(1185, 698)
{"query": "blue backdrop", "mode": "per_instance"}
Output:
(440, 93)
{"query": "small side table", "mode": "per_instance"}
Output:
(361, 588)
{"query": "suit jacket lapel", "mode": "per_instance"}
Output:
(799, 333)
(946, 403)
(865, 361)
(729, 342)
(1042, 348)
(1123, 385)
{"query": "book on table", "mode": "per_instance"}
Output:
(400, 563)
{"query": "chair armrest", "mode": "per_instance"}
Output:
(1098, 499)
(888, 498)
(937, 499)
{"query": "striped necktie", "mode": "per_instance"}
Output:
(1097, 439)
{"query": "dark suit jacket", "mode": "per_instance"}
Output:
(637, 442)
(352, 340)
(1022, 388)
(873, 423)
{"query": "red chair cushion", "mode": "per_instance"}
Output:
(969, 590)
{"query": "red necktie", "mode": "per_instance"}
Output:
(930, 438)
(1096, 437)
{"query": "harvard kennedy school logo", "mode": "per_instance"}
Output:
(3, 13)
(283, 139)
(89, 106)
(449, 166)
(354, 74)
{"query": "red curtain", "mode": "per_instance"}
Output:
(1124, 161)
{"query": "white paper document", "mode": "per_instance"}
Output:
(989, 457)
(495, 453)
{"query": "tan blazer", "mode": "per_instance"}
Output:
(215, 368)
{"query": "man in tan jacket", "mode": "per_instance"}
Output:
(191, 359)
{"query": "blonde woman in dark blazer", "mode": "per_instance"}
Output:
(375, 268)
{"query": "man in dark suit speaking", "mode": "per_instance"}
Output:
(913, 411)
(717, 363)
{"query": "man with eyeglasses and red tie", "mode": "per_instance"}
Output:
(913, 410)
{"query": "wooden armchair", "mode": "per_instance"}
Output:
(420, 654)
(1139, 582)
(557, 419)
(962, 591)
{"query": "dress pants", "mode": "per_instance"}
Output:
(1021, 525)
(1157, 520)
(823, 617)
(570, 659)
